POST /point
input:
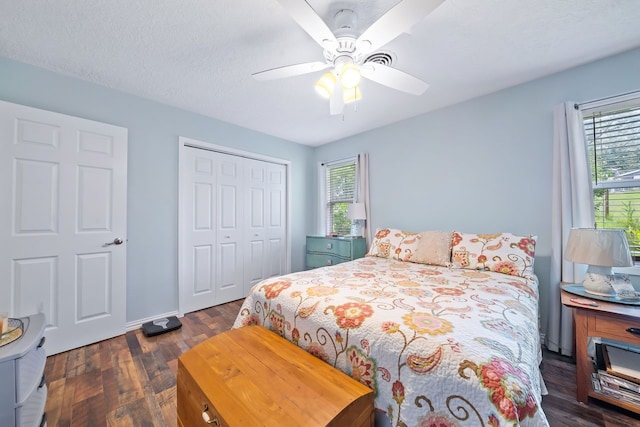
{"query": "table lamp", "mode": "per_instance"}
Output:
(357, 214)
(601, 249)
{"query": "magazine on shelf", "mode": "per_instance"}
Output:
(607, 381)
(621, 395)
(618, 383)
(601, 387)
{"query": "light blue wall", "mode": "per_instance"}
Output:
(484, 165)
(480, 166)
(153, 171)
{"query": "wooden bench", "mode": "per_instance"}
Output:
(253, 377)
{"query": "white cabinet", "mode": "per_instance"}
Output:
(23, 393)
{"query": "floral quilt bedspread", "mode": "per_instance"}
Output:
(439, 346)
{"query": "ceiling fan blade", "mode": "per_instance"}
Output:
(290, 70)
(302, 12)
(394, 78)
(336, 103)
(396, 21)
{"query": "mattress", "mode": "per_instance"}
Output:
(438, 345)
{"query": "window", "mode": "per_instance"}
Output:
(340, 181)
(613, 137)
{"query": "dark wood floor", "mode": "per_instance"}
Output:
(130, 380)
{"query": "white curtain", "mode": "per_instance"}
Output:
(363, 193)
(571, 206)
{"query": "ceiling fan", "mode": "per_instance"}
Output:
(346, 53)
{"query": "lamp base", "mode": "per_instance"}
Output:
(356, 227)
(597, 281)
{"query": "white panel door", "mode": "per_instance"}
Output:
(255, 220)
(229, 231)
(211, 229)
(264, 219)
(276, 220)
(198, 205)
(64, 201)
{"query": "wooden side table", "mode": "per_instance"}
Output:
(606, 320)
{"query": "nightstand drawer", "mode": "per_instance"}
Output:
(23, 390)
(323, 260)
(29, 369)
(30, 414)
(323, 251)
(615, 327)
(329, 246)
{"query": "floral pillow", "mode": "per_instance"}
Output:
(501, 252)
(434, 248)
(394, 244)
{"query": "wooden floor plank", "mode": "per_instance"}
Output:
(76, 362)
(110, 389)
(126, 376)
(129, 380)
(55, 399)
(88, 385)
(89, 412)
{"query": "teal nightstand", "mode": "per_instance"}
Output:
(324, 251)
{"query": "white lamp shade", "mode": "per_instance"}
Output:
(601, 247)
(356, 211)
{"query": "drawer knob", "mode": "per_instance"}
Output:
(329, 245)
(329, 262)
(208, 418)
(634, 331)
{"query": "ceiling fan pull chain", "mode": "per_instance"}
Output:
(355, 103)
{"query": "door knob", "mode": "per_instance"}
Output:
(116, 241)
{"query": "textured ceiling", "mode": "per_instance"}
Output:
(199, 54)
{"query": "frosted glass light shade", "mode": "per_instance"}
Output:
(356, 211)
(349, 75)
(325, 85)
(600, 247)
(352, 95)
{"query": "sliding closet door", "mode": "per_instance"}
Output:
(198, 193)
(233, 225)
(211, 229)
(265, 221)
(276, 258)
(229, 230)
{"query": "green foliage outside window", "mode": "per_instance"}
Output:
(341, 192)
(341, 224)
(620, 210)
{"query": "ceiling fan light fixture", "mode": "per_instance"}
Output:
(349, 75)
(325, 85)
(352, 95)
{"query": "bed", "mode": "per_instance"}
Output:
(442, 326)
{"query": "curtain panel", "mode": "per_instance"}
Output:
(363, 193)
(571, 206)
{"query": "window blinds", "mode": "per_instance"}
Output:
(341, 191)
(613, 139)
